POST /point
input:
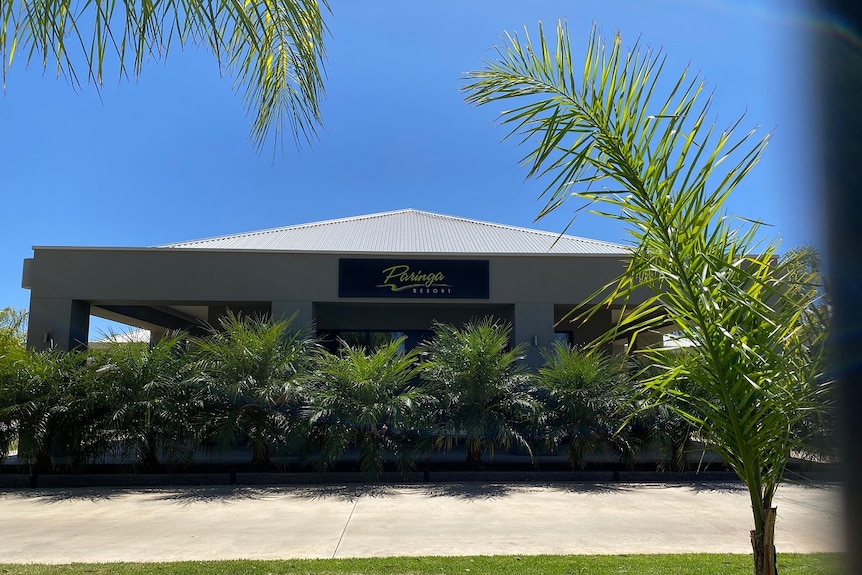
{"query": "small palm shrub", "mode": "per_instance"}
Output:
(47, 406)
(252, 369)
(12, 353)
(655, 421)
(586, 398)
(154, 398)
(483, 388)
(366, 399)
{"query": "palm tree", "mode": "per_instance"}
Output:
(817, 429)
(13, 327)
(483, 388)
(253, 368)
(587, 401)
(12, 355)
(602, 133)
(46, 406)
(367, 399)
(274, 48)
(155, 399)
(13, 338)
(656, 423)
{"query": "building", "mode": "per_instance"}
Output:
(394, 272)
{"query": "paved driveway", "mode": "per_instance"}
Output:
(189, 523)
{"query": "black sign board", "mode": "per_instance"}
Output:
(413, 278)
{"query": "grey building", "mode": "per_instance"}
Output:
(394, 272)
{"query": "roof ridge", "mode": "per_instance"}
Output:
(377, 215)
(283, 228)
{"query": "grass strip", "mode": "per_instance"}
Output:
(687, 564)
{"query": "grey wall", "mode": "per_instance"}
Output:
(60, 323)
(173, 275)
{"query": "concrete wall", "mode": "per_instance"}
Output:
(174, 275)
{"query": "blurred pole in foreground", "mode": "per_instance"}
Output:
(839, 87)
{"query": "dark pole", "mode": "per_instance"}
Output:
(839, 85)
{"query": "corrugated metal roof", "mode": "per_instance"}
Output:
(407, 231)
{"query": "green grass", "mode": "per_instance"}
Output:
(689, 564)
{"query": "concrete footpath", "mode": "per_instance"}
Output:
(325, 521)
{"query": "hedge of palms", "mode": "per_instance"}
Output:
(272, 387)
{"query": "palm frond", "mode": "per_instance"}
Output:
(273, 48)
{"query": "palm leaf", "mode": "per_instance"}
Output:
(273, 48)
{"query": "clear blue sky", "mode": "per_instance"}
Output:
(167, 157)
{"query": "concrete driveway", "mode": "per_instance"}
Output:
(326, 521)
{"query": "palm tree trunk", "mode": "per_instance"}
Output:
(474, 454)
(149, 455)
(763, 545)
(260, 452)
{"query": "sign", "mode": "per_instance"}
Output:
(413, 278)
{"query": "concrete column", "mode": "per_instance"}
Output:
(58, 323)
(303, 310)
(156, 335)
(533, 325)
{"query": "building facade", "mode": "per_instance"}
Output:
(390, 273)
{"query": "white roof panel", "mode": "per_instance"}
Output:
(407, 231)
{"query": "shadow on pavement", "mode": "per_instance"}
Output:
(495, 490)
(50, 495)
(346, 493)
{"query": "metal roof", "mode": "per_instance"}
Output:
(407, 231)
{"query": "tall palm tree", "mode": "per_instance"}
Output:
(253, 367)
(274, 48)
(367, 399)
(483, 387)
(600, 131)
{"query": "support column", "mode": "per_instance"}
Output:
(283, 309)
(58, 323)
(533, 325)
(157, 334)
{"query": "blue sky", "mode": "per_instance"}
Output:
(167, 157)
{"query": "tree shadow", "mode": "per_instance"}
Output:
(345, 492)
(466, 490)
(209, 494)
(492, 490)
(732, 486)
(55, 495)
(226, 494)
(592, 487)
(353, 492)
(470, 491)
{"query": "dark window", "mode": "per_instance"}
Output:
(563, 337)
